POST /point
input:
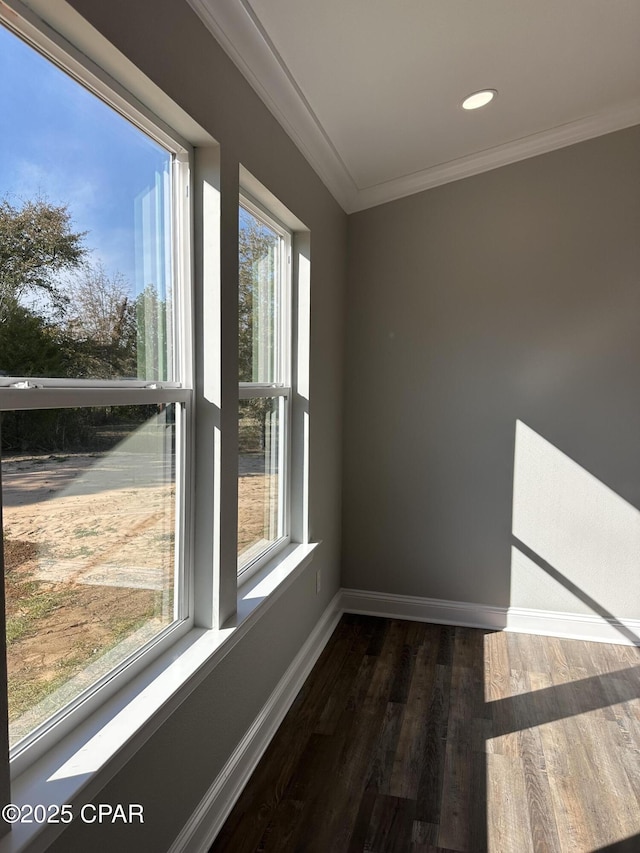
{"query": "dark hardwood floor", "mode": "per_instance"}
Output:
(420, 738)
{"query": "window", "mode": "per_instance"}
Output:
(264, 355)
(109, 561)
(95, 393)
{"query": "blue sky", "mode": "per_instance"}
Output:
(60, 142)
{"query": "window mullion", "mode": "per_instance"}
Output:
(248, 391)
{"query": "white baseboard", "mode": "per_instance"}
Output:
(419, 609)
(575, 626)
(207, 820)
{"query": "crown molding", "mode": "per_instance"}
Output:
(501, 155)
(239, 32)
(242, 37)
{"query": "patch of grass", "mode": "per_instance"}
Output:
(83, 551)
(164, 537)
(85, 531)
(30, 601)
(26, 691)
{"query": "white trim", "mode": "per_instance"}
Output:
(207, 820)
(574, 626)
(249, 390)
(65, 397)
(239, 32)
(577, 626)
(418, 609)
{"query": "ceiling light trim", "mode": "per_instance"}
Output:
(237, 29)
(479, 100)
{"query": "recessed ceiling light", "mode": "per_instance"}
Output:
(479, 99)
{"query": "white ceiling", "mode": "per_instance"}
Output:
(370, 90)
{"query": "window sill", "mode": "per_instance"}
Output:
(79, 766)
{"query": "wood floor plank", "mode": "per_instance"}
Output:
(623, 690)
(414, 734)
(577, 803)
(496, 667)
(380, 628)
(362, 722)
(383, 758)
(457, 829)
(507, 818)
(360, 829)
(628, 736)
(525, 711)
(391, 825)
(557, 658)
(445, 645)
(349, 687)
(284, 829)
(424, 835)
(434, 748)
(618, 804)
(404, 667)
(539, 800)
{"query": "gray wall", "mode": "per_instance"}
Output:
(173, 771)
(512, 296)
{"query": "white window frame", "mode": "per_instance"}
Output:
(32, 393)
(281, 388)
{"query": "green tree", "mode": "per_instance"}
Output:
(37, 245)
(30, 346)
(153, 336)
(255, 242)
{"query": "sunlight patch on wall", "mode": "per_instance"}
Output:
(583, 538)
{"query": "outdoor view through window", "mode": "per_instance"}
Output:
(86, 293)
(264, 343)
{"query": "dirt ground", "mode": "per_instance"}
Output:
(88, 542)
(257, 501)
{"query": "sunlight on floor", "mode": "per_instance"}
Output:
(567, 728)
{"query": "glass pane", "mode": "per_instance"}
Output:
(89, 518)
(260, 273)
(85, 230)
(260, 512)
